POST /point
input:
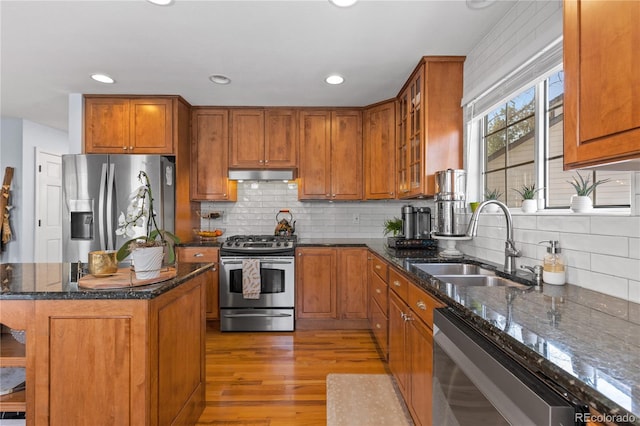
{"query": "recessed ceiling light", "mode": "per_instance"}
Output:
(343, 3)
(220, 79)
(103, 78)
(161, 2)
(334, 79)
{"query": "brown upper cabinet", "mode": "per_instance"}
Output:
(379, 151)
(330, 164)
(602, 84)
(210, 156)
(130, 125)
(263, 138)
(429, 124)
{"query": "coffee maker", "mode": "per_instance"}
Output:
(416, 222)
(450, 203)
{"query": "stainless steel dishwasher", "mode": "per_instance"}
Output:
(475, 382)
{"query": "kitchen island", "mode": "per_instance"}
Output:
(125, 356)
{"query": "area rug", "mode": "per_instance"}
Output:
(364, 400)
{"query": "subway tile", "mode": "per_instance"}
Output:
(616, 225)
(564, 223)
(634, 248)
(623, 267)
(634, 291)
(613, 245)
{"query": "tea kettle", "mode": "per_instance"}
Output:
(285, 227)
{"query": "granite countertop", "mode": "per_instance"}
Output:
(586, 342)
(34, 281)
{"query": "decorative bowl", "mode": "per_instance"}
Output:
(208, 234)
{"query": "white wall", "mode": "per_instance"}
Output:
(26, 136)
(602, 250)
(256, 209)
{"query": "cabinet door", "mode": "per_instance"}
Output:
(346, 155)
(205, 255)
(379, 152)
(281, 138)
(151, 126)
(415, 133)
(246, 148)
(352, 282)
(602, 82)
(398, 343)
(421, 367)
(315, 155)
(209, 156)
(106, 125)
(316, 292)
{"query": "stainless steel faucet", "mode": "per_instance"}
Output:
(510, 250)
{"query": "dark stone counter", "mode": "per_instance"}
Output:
(32, 281)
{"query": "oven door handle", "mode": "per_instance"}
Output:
(254, 315)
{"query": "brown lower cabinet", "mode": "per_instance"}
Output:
(411, 347)
(111, 361)
(331, 286)
(205, 255)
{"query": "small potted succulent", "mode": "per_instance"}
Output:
(147, 251)
(528, 194)
(393, 226)
(492, 194)
(581, 202)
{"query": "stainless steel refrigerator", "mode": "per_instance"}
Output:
(96, 188)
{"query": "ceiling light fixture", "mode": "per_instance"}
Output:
(334, 79)
(343, 3)
(103, 78)
(161, 2)
(220, 79)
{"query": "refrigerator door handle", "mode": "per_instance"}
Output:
(101, 206)
(110, 202)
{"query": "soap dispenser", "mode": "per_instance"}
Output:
(553, 266)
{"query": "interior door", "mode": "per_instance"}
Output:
(48, 231)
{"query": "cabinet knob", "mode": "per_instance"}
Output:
(130, 148)
(378, 326)
(378, 267)
(266, 161)
(328, 195)
(333, 195)
(396, 283)
(378, 291)
(260, 161)
(421, 305)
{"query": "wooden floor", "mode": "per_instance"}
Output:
(278, 378)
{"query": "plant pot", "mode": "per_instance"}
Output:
(147, 261)
(529, 206)
(491, 208)
(581, 204)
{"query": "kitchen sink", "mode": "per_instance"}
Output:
(452, 269)
(478, 281)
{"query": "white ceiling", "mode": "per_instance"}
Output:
(277, 53)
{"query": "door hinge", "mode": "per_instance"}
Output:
(39, 222)
(39, 168)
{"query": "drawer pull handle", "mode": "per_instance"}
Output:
(378, 291)
(396, 283)
(198, 255)
(421, 305)
(378, 267)
(378, 326)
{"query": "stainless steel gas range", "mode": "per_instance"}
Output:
(273, 308)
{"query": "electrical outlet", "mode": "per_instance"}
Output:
(355, 218)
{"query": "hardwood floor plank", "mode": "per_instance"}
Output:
(272, 379)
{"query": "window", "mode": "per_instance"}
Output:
(523, 144)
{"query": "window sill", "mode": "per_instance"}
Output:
(568, 212)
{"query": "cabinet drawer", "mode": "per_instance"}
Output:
(379, 325)
(422, 304)
(378, 291)
(380, 267)
(197, 254)
(398, 283)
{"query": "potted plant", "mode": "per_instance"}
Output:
(528, 194)
(147, 251)
(581, 202)
(393, 226)
(492, 194)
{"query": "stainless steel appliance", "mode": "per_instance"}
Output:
(408, 221)
(273, 310)
(96, 188)
(450, 202)
(423, 223)
(475, 382)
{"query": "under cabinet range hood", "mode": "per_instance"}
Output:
(262, 174)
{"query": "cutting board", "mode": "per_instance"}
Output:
(125, 277)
